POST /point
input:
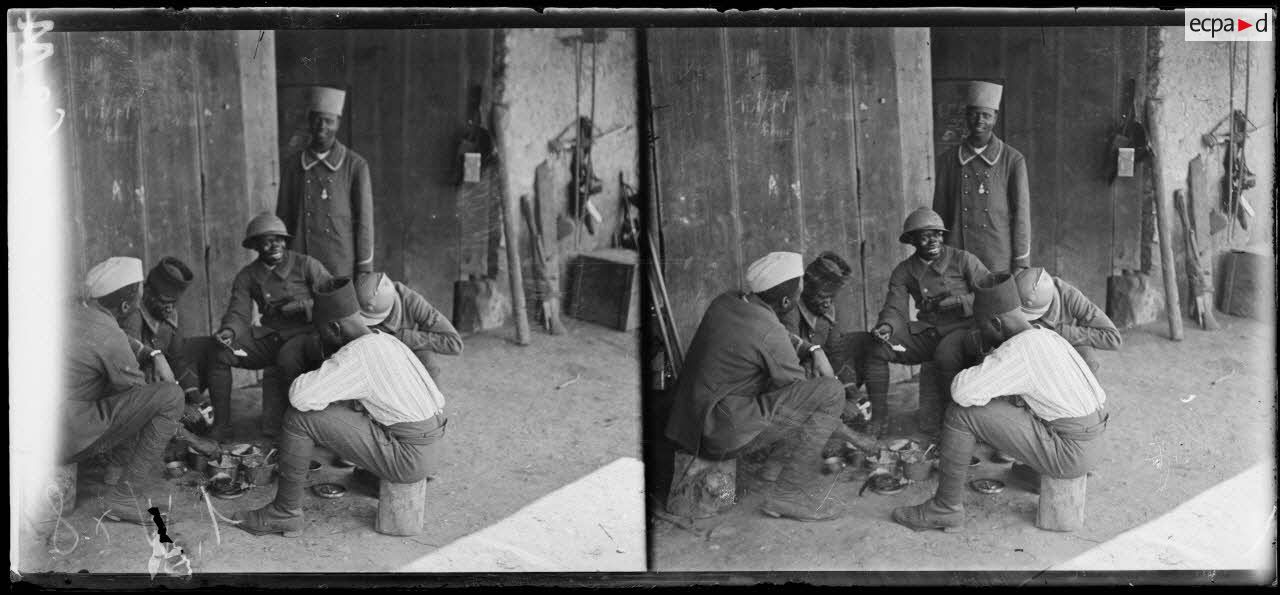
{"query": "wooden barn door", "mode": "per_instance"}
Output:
(405, 111)
(785, 139)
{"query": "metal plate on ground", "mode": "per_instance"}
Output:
(329, 490)
(987, 486)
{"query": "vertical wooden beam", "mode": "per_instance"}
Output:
(735, 200)
(824, 143)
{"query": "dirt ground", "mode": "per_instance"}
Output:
(513, 437)
(1163, 447)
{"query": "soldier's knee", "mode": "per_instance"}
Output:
(829, 390)
(169, 399)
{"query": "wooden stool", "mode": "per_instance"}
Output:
(1061, 503)
(402, 507)
(701, 488)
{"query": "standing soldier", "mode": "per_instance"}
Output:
(326, 196)
(981, 190)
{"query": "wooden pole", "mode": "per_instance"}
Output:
(1164, 224)
(511, 225)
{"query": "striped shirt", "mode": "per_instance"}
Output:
(1039, 366)
(380, 372)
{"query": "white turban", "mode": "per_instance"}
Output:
(112, 274)
(775, 268)
(326, 99)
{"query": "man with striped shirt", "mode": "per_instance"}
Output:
(372, 403)
(1033, 397)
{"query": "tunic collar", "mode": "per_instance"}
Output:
(152, 322)
(940, 263)
(991, 154)
(333, 160)
(811, 318)
(282, 269)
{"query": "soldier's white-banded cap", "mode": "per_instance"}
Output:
(773, 269)
(112, 274)
(984, 94)
(326, 99)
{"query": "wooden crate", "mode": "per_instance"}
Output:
(605, 289)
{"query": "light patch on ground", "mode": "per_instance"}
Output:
(595, 524)
(1230, 526)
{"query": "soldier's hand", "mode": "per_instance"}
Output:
(821, 365)
(163, 372)
(225, 336)
(191, 414)
(292, 307)
(883, 332)
(949, 302)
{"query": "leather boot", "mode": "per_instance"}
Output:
(121, 506)
(120, 500)
(930, 515)
(955, 452)
(271, 519)
(801, 504)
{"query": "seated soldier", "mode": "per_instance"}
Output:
(940, 280)
(814, 322)
(371, 403)
(281, 283)
(108, 407)
(743, 390)
(1033, 397)
(1049, 302)
(155, 326)
(391, 307)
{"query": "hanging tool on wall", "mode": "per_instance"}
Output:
(1128, 143)
(625, 235)
(1238, 177)
(584, 180)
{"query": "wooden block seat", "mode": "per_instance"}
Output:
(701, 488)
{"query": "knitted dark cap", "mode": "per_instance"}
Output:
(335, 300)
(828, 270)
(995, 295)
(170, 278)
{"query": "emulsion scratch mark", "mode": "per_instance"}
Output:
(773, 185)
(261, 34)
(115, 191)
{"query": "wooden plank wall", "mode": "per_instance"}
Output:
(159, 160)
(1062, 99)
(405, 112)
(760, 137)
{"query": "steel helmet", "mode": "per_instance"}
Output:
(377, 295)
(921, 218)
(264, 224)
(1036, 291)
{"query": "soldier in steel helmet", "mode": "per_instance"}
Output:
(940, 280)
(282, 283)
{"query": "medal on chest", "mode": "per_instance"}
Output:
(982, 188)
(324, 194)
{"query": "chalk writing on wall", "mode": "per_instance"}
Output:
(31, 53)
